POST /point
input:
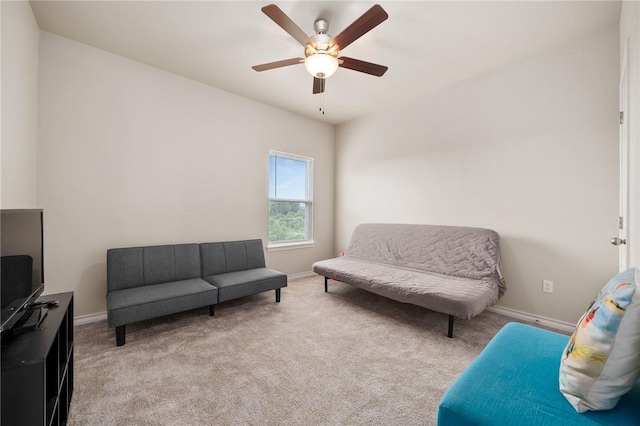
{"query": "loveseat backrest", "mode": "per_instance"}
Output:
(463, 252)
(231, 256)
(138, 266)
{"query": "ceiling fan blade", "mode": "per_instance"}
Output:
(278, 64)
(362, 66)
(369, 20)
(318, 85)
(280, 18)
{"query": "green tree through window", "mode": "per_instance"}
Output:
(289, 198)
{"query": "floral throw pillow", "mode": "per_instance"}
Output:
(602, 359)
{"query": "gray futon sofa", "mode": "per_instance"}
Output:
(149, 282)
(449, 269)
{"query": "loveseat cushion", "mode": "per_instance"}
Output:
(124, 268)
(170, 263)
(233, 285)
(460, 297)
(137, 266)
(140, 303)
(223, 257)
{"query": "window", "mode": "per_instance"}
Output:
(290, 200)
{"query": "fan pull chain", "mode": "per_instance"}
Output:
(322, 103)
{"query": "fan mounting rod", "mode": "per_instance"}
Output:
(321, 26)
(321, 41)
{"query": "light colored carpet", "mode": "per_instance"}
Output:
(347, 357)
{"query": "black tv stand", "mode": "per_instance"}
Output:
(37, 367)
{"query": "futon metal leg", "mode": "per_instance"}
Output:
(277, 295)
(326, 289)
(211, 311)
(450, 333)
(120, 332)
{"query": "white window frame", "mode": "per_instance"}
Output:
(309, 242)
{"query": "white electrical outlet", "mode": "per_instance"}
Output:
(547, 286)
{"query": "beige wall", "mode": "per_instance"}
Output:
(132, 155)
(19, 106)
(530, 150)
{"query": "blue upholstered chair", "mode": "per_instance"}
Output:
(514, 381)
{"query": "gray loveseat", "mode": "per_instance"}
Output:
(149, 282)
(449, 269)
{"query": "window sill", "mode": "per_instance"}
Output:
(291, 246)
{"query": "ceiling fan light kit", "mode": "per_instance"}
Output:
(321, 65)
(321, 50)
(320, 58)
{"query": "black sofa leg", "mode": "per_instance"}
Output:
(277, 295)
(326, 289)
(211, 311)
(120, 332)
(450, 332)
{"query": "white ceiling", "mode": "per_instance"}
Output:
(426, 44)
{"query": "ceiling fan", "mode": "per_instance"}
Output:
(321, 50)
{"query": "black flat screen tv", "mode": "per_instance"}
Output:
(22, 268)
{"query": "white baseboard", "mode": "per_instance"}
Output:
(301, 275)
(86, 319)
(547, 322)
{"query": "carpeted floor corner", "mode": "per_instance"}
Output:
(347, 357)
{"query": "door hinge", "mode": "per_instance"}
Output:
(621, 117)
(620, 223)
